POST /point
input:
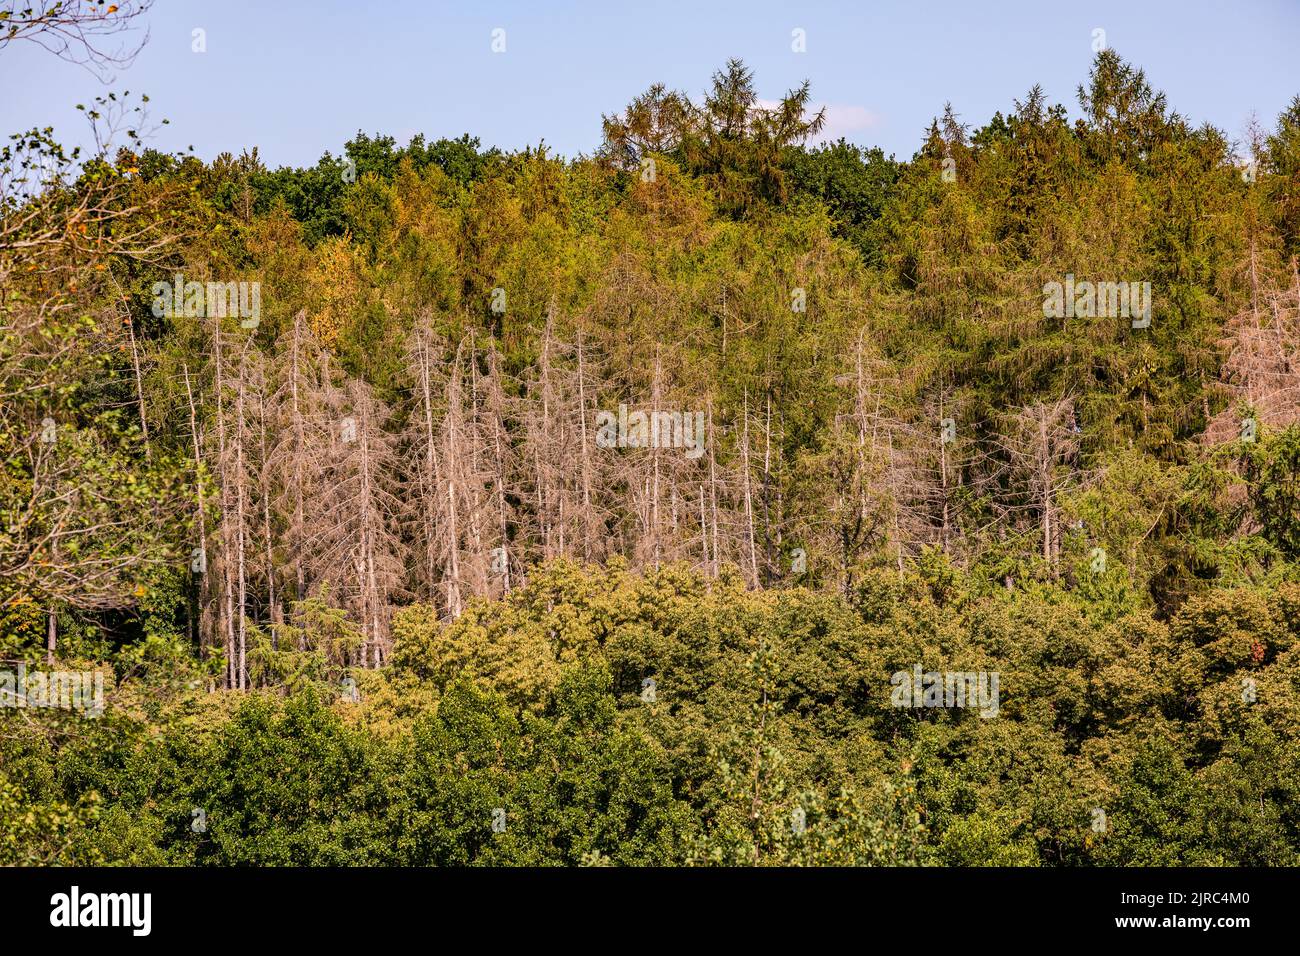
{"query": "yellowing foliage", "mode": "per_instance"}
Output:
(335, 285)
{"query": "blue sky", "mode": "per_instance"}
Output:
(297, 78)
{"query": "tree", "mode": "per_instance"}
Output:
(362, 555)
(731, 140)
(73, 31)
(77, 535)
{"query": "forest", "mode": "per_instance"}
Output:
(444, 505)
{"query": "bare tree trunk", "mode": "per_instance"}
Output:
(198, 495)
(366, 561)
(266, 522)
(767, 491)
(713, 491)
(499, 467)
(139, 387)
(300, 451)
(749, 497)
(943, 477)
(432, 479)
(226, 561)
(1045, 481)
(587, 515)
(655, 463)
(898, 533)
(704, 532)
(242, 512)
(454, 605)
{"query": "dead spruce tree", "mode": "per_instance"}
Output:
(423, 351)
(299, 447)
(855, 511)
(1262, 371)
(361, 555)
(1038, 446)
(652, 447)
(457, 508)
(563, 472)
(239, 384)
(492, 408)
(927, 460)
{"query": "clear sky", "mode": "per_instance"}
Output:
(297, 78)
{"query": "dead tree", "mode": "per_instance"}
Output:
(1261, 374)
(492, 406)
(459, 493)
(362, 557)
(238, 379)
(857, 507)
(1038, 446)
(565, 477)
(299, 447)
(427, 372)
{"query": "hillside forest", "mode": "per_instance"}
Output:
(444, 505)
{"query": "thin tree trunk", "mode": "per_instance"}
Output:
(266, 527)
(198, 494)
(139, 387)
(229, 594)
(749, 497)
(587, 515)
(713, 492)
(241, 500)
